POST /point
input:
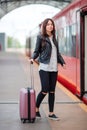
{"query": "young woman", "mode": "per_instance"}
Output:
(48, 52)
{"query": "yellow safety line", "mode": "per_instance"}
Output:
(72, 96)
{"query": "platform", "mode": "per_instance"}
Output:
(15, 74)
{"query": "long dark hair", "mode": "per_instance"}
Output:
(43, 27)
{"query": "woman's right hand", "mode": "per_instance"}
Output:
(31, 61)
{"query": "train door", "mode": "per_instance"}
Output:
(84, 42)
(85, 85)
(81, 18)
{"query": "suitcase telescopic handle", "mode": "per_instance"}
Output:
(31, 75)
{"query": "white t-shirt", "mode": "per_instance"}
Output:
(52, 65)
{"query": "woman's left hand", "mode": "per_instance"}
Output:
(64, 66)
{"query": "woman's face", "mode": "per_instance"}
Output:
(49, 27)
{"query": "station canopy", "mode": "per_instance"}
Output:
(8, 5)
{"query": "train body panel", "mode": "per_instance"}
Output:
(70, 24)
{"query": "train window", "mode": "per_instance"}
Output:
(71, 40)
(62, 40)
(67, 40)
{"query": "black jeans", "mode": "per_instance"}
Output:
(48, 81)
(48, 84)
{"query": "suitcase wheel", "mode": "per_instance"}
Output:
(23, 120)
(33, 120)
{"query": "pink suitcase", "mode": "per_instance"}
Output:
(27, 104)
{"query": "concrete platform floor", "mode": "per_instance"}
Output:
(15, 74)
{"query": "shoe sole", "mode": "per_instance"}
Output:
(38, 117)
(55, 119)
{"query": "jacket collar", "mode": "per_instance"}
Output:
(48, 40)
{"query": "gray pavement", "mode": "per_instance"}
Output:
(15, 74)
(10, 119)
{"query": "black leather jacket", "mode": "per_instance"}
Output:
(43, 50)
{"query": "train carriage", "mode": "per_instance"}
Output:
(71, 31)
(71, 25)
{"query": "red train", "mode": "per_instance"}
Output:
(71, 28)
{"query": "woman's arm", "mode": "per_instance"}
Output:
(37, 48)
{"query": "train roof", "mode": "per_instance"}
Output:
(77, 3)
